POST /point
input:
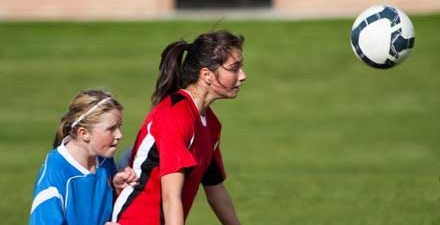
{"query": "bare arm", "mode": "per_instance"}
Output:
(172, 202)
(221, 203)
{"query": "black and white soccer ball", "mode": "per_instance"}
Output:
(382, 36)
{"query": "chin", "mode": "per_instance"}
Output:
(234, 95)
(109, 153)
(228, 95)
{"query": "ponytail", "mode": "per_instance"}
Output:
(170, 71)
(62, 131)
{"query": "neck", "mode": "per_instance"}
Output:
(199, 97)
(81, 155)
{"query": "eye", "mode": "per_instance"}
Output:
(235, 68)
(114, 127)
(238, 67)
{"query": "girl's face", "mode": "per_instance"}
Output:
(105, 135)
(230, 76)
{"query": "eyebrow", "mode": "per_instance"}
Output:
(237, 62)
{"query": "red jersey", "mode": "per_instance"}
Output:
(173, 137)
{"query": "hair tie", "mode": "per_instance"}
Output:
(188, 46)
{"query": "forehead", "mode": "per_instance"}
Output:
(111, 117)
(235, 56)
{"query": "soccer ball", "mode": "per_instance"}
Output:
(382, 36)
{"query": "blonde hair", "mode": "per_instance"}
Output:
(84, 111)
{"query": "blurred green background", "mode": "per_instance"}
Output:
(315, 136)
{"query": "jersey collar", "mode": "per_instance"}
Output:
(69, 158)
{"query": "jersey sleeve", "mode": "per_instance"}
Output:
(216, 172)
(47, 208)
(174, 132)
(48, 199)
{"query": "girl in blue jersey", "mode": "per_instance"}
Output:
(78, 180)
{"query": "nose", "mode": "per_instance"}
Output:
(242, 75)
(118, 134)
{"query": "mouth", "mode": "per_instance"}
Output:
(114, 145)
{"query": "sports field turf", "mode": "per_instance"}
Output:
(315, 136)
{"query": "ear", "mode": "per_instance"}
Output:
(206, 75)
(83, 134)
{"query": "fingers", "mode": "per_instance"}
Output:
(131, 176)
(125, 178)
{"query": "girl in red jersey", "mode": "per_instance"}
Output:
(177, 147)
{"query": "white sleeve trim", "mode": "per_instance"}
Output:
(46, 194)
(44, 170)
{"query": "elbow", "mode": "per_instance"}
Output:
(170, 199)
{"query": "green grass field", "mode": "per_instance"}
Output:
(315, 136)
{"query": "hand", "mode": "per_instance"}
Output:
(111, 223)
(125, 178)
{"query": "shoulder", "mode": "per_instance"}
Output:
(51, 180)
(54, 163)
(177, 108)
(178, 103)
(55, 171)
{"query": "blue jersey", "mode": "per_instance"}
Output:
(67, 193)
